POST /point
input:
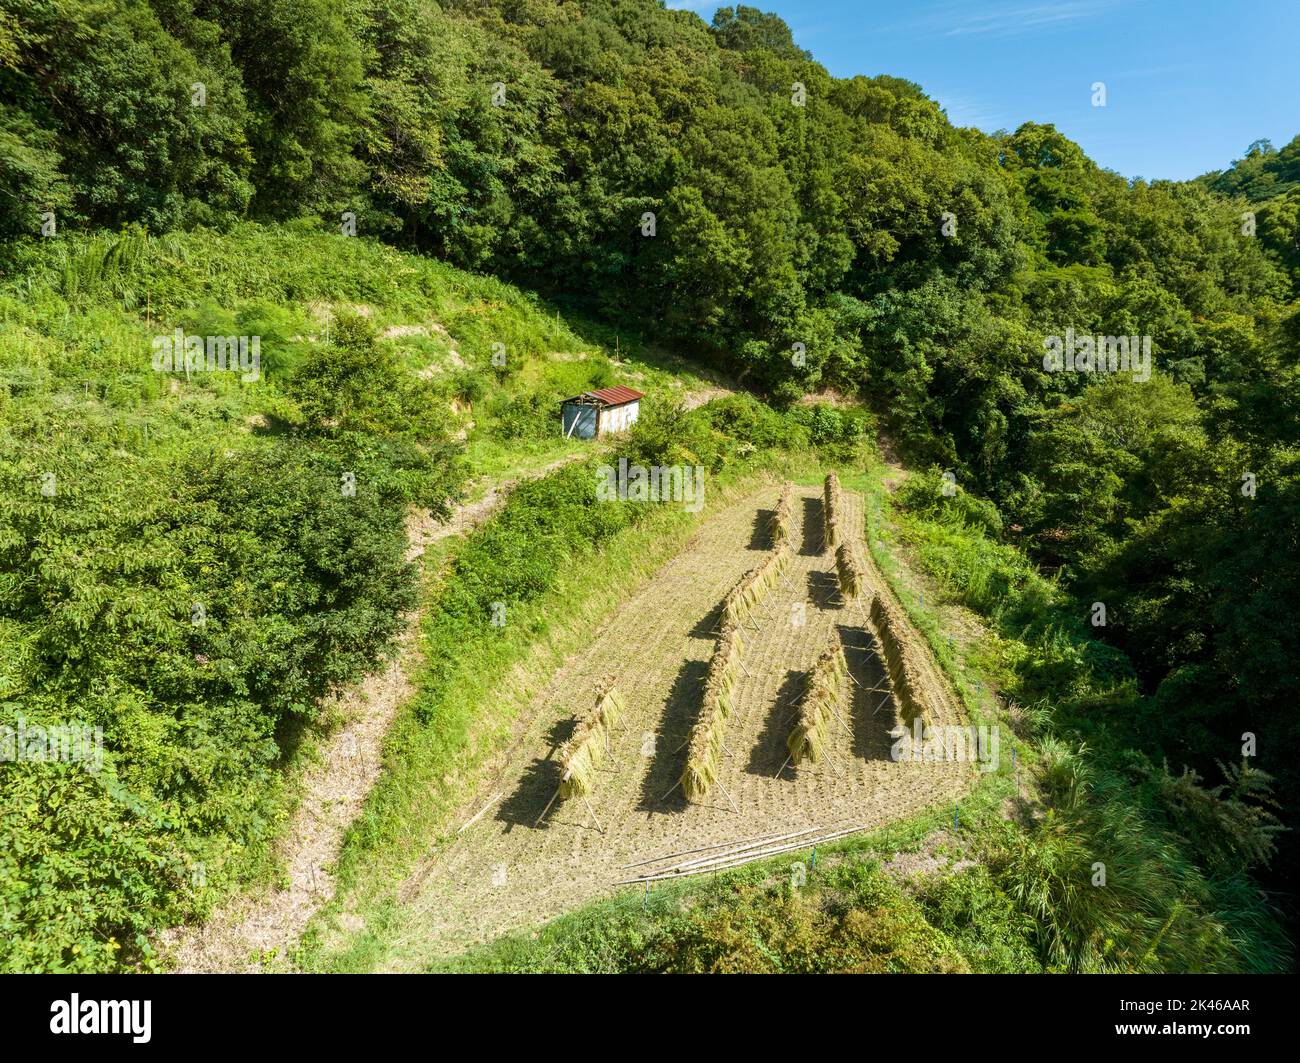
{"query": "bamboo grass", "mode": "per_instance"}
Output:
(824, 697)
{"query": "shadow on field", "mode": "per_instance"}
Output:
(871, 712)
(824, 590)
(769, 752)
(761, 537)
(561, 731)
(813, 530)
(538, 786)
(539, 783)
(710, 625)
(682, 709)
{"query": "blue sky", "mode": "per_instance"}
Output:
(1189, 83)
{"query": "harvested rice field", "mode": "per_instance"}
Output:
(513, 867)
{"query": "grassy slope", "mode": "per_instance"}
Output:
(77, 317)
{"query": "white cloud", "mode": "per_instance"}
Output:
(1010, 19)
(971, 111)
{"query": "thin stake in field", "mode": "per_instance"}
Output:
(479, 814)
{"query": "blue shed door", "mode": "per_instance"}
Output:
(586, 418)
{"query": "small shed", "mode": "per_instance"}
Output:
(597, 413)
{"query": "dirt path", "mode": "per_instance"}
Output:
(699, 398)
(505, 872)
(422, 528)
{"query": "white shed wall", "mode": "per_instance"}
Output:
(619, 418)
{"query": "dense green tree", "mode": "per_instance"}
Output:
(744, 29)
(147, 127)
(302, 65)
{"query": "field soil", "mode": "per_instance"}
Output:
(506, 870)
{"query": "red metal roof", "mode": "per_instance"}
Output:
(615, 396)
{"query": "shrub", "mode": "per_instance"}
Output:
(189, 607)
(923, 494)
(745, 417)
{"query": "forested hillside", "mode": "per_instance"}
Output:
(708, 186)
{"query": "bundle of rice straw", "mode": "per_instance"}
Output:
(753, 586)
(584, 752)
(890, 627)
(825, 694)
(704, 757)
(609, 703)
(783, 518)
(852, 573)
(832, 509)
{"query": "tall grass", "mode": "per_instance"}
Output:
(846, 917)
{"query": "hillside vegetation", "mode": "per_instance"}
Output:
(196, 561)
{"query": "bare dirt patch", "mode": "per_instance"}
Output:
(936, 854)
(827, 397)
(699, 398)
(396, 332)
